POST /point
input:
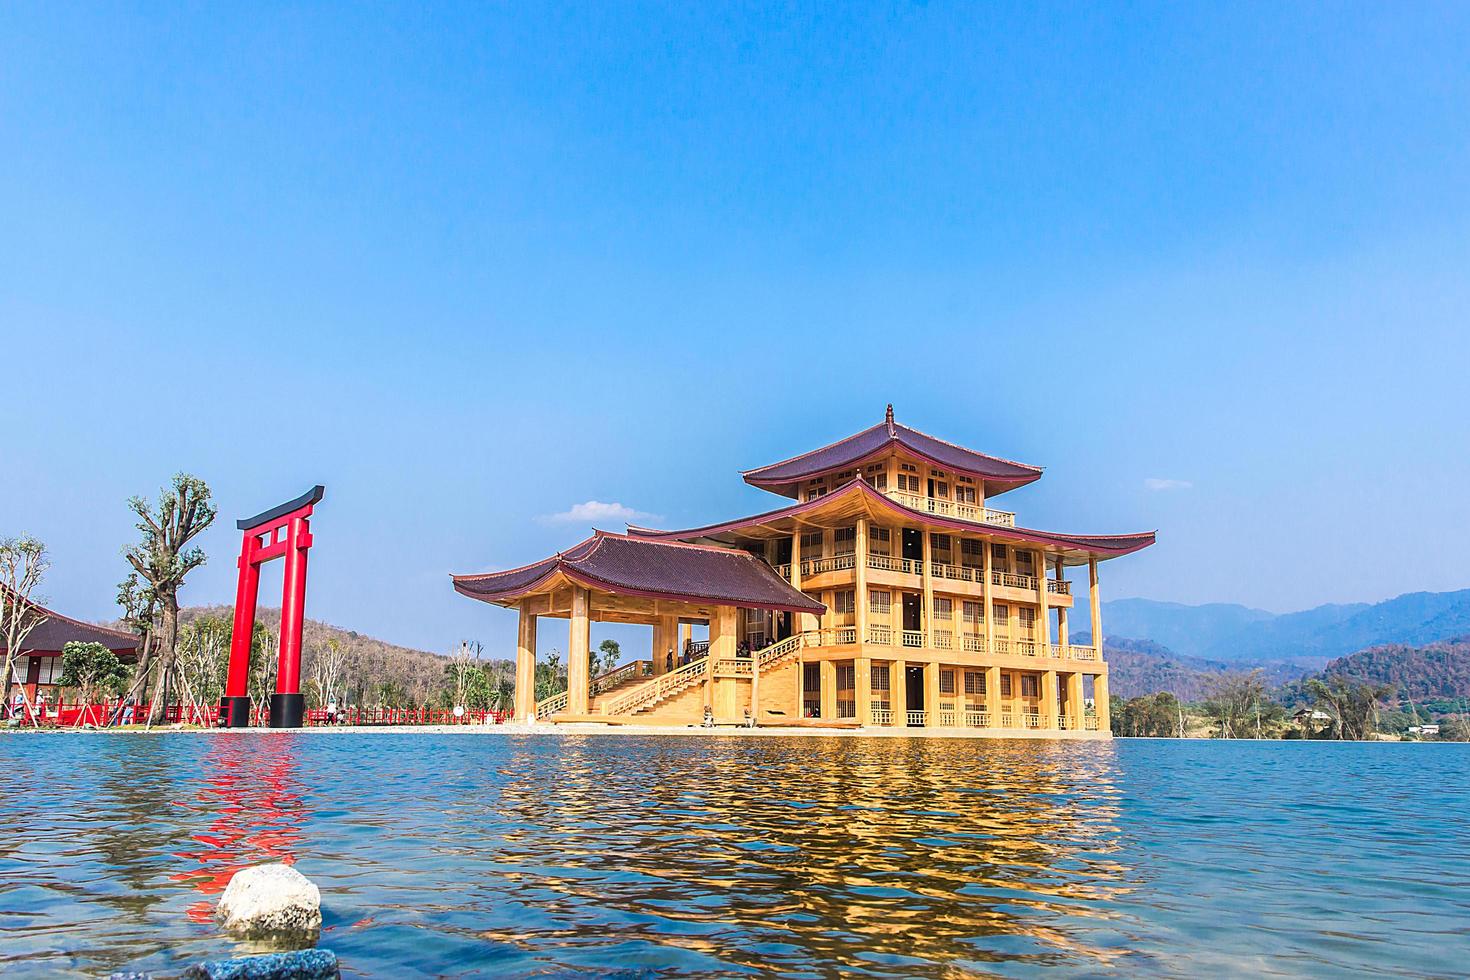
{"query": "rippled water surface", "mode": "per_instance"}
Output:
(475, 854)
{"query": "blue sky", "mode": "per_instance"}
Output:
(471, 267)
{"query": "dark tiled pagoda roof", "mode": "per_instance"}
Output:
(999, 474)
(1101, 546)
(58, 630)
(653, 569)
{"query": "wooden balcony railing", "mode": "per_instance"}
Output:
(1059, 586)
(837, 563)
(942, 639)
(882, 635)
(916, 719)
(1026, 648)
(974, 644)
(882, 716)
(977, 719)
(1090, 723)
(950, 508)
(946, 718)
(1083, 653)
(887, 563)
(1013, 580)
(913, 638)
(1007, 719)
(1030, 719)
(1056, 650)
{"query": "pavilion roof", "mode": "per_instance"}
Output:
(642, 567)
(999, 474)
(57, 630)
(857, 498)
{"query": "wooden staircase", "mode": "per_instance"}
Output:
(662, 688)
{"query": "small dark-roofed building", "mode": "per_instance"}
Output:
(38, 667)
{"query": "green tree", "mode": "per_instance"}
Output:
(1353, 704)
(1237, 703)
(1149, 716)
(610, 653)
(162, 559)
(93, 671)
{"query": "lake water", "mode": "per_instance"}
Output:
(637, 856)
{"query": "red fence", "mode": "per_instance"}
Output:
(77, 715)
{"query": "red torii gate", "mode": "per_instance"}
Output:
(281, 532)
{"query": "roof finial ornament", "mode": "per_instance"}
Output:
(888, 418)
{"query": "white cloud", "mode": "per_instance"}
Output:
(1155, 483)
(594, 512)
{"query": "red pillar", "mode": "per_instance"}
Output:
(293, 608)
(235, 706)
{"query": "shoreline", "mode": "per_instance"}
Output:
(537, 731)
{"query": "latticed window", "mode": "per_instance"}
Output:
(939, 542)
(974, 682)
(880, 541)
(880, 677)
(974, 615)
(908, 483)
(946, 682)
(943, 608)
(811, 545)
(846, 691)
(1028, 620)
(842, 602)
(965, 495)
(1024, 561)
(844, 540)
(1002, 614)
(1005, 685)
(973, 551)
(1030, 686)
(941, 489)
(998, 553)
(811, 690)
(880, 604)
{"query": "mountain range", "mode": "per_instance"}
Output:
(1241, 635)
(1155, 646)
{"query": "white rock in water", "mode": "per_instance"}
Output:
(270, 898)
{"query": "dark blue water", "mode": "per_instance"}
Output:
(553, 855)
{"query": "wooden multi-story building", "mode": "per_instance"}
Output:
(888, 595)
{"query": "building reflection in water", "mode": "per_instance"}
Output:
(252, 798)
(851, 851)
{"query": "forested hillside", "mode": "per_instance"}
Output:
(1435, 671)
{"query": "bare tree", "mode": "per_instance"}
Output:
(204, 647)
(263, 676)
(329, 670)
(23, 563)
(162, 560)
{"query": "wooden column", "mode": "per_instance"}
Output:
(926, 614)
(1100, 703)
(829, 690)
(898, 691)
(800, 622)
(987, 596)
(860, 597)
(1049, 699)
(1043, 615)
(931, 694)
(1094, 601)
(721, 647)
(1063, 637)
(657, 647)
(578, 641)
(669, 644)
(686, 633)
(862, 685)
(1074, 699)
(525, 696)
(992, 695)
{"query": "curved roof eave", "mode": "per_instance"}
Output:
(891, 433)
(1097, 544)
